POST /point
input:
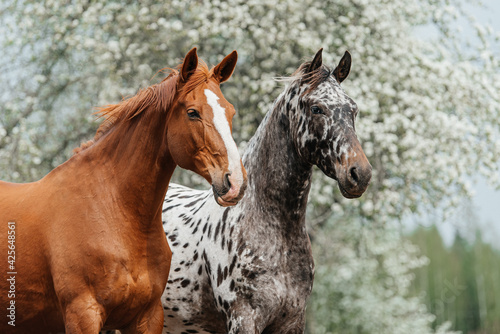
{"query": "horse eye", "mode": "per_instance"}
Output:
(193, 114)
(316, 110)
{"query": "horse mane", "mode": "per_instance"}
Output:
(160, 96)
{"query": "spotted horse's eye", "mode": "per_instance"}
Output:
(317, 110)
(193, 114)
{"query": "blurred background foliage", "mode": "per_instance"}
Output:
(429, 120)
(460, 282)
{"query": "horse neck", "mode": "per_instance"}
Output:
(278, 179)
(134, 157)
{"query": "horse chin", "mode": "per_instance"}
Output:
(221, 201)
(224, 203)
(346, 194)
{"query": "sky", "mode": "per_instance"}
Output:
(486, 200)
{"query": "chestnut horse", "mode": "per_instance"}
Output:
(90, 251)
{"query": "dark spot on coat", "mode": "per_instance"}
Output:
(198, 209)
(311, 145)
(241, 248)
(217, 229)
(191, 204)
(219, 275)
(169, 208)
(224, 215)
(209, 231)
(248, 274)
(233, 263)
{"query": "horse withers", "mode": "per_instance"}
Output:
(90, 250)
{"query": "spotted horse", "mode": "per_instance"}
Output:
(249, 268)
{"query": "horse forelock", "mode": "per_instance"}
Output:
(200, 76)
(313, 78)
(160, 96)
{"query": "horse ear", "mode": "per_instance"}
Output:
(225, 68)
(342, 70)
(189, 65)
(317, 61)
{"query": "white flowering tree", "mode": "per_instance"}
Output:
(429, 113)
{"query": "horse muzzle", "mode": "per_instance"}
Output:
(230, 191)
(354, 179)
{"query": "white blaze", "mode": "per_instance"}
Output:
(222, 126)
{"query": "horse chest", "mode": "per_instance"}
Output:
(131, 287)
(278, 273)
(129, 280)
(226, 260)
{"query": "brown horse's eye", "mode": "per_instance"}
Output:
(193, 114)
(316, 110)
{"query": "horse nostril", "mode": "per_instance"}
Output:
(354, 174)
(227, 183)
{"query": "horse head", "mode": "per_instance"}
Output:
(322, 120)
(200, 126)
